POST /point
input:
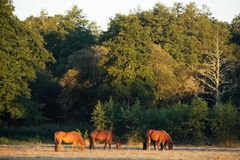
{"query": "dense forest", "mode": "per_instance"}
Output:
(174, 68)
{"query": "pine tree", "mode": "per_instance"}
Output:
(99, 118)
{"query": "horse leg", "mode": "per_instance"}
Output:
(110, 143)
(154, 145)
(73, 145)
(59, 144)
(158, 145)
(81, 146)
(91, 143)
(148, 142)
(163, 145)
(56, 146)
(148, 145)
(105, 145)
(92, 140)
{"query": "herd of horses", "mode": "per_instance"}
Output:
(159, 137)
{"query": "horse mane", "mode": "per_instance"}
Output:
(170, 139)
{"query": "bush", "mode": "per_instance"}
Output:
(223, 122)
(186, 123)
(198, 120)
(132, 122)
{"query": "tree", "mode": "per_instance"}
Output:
(216, 66)
(128, 67)
(173, 81)
(99, 118)
(236, 86)
(22, 55)
(235, 29)
(64, 35)
(163, 66)
(81, 84)
(45, 91)
(235, 32)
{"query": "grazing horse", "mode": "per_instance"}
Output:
(104, 136)
(159, 137)
(68, 137)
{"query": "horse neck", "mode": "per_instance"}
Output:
(81, 140)
(116, 139)
(169, 139)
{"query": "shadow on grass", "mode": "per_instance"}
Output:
(56, 158)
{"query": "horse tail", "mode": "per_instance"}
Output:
(148, 141)
(148, 136)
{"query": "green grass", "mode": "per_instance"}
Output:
(6, 140)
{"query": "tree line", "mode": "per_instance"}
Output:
(174, 68)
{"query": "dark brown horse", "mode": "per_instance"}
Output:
(103, 136)
(68, 137)
(159, 137)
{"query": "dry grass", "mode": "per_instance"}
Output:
(46, 152)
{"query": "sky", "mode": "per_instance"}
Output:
(100, 11)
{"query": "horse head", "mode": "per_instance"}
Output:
(117, 141)
(170, 145)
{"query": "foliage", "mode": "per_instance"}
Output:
(128, 67)
(22, 55)
(223, 121)
(83, 78)
(45, 91)
(99, 117)
(235, 25)
(213, 72)
(64, 34)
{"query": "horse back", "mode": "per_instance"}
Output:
(153, 135)
(101, 135)
(59, 135)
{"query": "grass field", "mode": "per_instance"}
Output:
(46, 152)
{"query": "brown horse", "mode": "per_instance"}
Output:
(159, 137)
(68, 137)
(104, 136)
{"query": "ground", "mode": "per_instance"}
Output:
(46, 152)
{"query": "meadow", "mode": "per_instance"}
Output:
(128, 152)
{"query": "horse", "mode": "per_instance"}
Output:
(159, 137)
(105, 136)
(73, 137)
